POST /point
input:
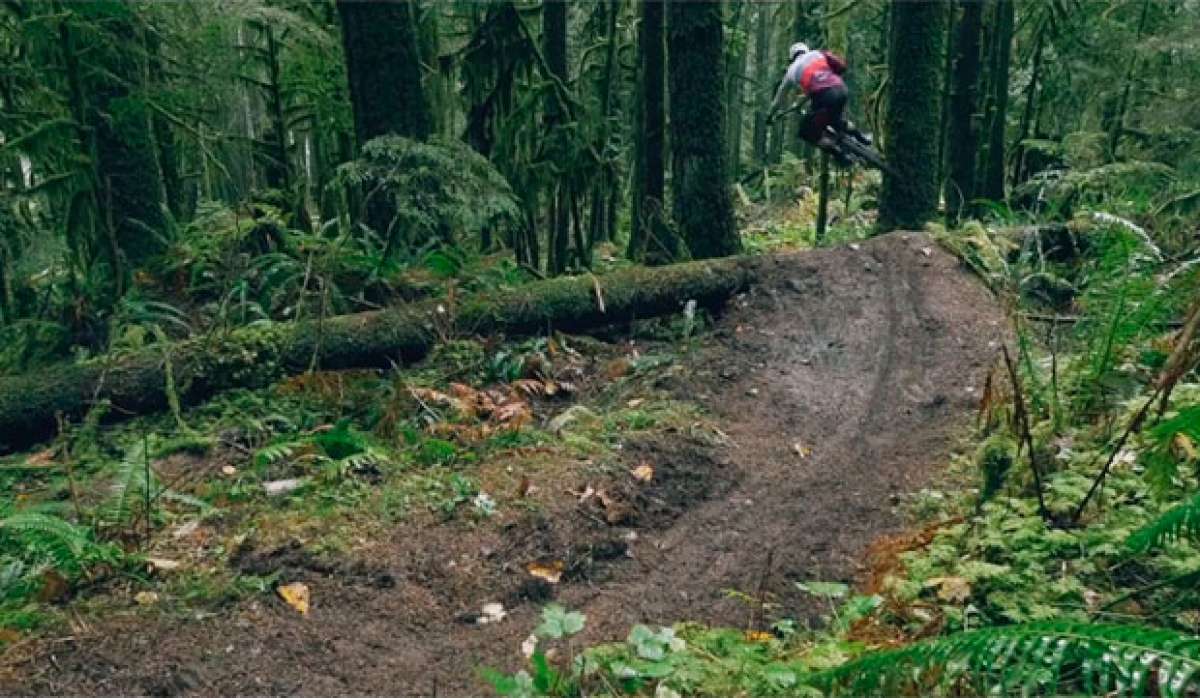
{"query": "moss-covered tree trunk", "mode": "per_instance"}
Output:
(915, 61)
(253, 357)
(703, 208)
(650, 133)
(962, 133)
(130, 194)
(991, 182)
(383, 68)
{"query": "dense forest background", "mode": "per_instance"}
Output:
(219, 156)
(229, 230)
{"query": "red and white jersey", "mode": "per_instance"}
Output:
(814, 71)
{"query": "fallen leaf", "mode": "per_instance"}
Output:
(514, 413)
(492, 613)
(801, 450)
(952, 589)
(551, 572)
(146, 598)
(228, 471)
(276, 488)
(643, 473)
(526, 488)
(529, 386)
(9, 636)
(1184, 443)
(296, 595)
(758, 636)
(636, 402)
(529, 646)
(158, 564)
(41, 458)
(186, 529)
(617, 368)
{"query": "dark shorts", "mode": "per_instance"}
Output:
(825, 108)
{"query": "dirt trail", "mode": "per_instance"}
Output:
(871, 357)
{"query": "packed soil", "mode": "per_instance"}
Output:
(840, 381)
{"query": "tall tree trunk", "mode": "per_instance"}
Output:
(1035, 74)
(383, 69)
(607, 181)
(992, 181)
(943, 124)
(960, 184)
(910, 195)
(554, 47)
(168, 155)
(703, 208)
(1118, 129)
(650, 134)
(762, 81)
(780, 130)
(736, 89)
(278, 170)
(130, 195)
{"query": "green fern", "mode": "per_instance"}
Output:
(1160, 462)
(129, 487)
(1053, 658)
(1181, 522)
(45, 538)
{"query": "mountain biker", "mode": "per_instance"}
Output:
(818, 77)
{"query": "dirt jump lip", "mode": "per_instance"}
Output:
(841, 379)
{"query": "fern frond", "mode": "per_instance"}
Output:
(46, 537)
(129, 485)
(1053, 658)
(269, 455)
(1160, 462)
(1180, 522)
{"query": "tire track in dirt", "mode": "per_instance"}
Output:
(863, 355)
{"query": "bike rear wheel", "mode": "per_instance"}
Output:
(865, 153)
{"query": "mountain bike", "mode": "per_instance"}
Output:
(849, 149)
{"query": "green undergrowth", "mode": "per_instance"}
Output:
(157, 509)
(1060, 553)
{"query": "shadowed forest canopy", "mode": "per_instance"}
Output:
(298, 275)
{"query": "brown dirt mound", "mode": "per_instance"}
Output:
(840, 381)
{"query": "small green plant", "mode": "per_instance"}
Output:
(543, 679)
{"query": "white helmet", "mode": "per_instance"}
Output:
(797, 49)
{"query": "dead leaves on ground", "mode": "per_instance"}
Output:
(550, 572)
(296, 595)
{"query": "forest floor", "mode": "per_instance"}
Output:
(837, 386)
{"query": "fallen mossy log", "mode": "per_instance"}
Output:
(32, 404)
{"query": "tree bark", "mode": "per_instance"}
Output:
(961, 131)
(1118, 129)
(1030, 100)
(136, 383)
(703, 208)
(130, 193)
(997, 118)
(910, 195)
(736, 90)
(650, 137)
(554, 47)
(762, 82)
(383, 69)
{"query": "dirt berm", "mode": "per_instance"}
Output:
(872, 356)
